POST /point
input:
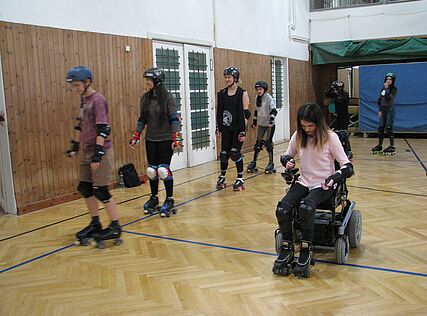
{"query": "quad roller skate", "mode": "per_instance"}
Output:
(390, 150)
(220, 184)
(252, 167)
(239, 184)
(270, 168)
(167, 208)
(111, 232)
(378, 149)
(83, 236)
(285, 263)
(152, 205)
(305, 258)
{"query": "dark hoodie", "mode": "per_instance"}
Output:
(387, 96)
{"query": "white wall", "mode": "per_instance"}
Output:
(246, 25)
(378, 21)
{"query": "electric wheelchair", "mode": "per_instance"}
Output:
(338, 225)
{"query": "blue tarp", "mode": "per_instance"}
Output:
(411, 100)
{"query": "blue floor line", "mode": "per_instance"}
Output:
(37, 258)
(274, 254)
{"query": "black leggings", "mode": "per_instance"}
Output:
(229, 140)
(292, 199)
(160, 153)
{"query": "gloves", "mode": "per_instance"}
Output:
(135, 138)
(74, 148)
(98, 152)
(333, 179)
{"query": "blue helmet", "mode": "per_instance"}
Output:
(232, 71)
(78, 73)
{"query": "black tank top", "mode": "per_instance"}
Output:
(231, 118)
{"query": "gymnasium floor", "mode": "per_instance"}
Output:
(215, 256)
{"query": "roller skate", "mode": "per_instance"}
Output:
(252, 167)
(270, 168)
(83, 236)
(239, 184)
(152, 205)
(305, 258)
(377, 149)
(113, 231)
(285, 263)
(220, 184)
(390, 150)
(167, 208)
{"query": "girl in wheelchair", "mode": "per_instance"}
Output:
(318, 148)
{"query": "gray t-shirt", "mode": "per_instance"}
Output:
(263, 112)
(160, 123)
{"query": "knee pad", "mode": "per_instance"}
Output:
(85, 189)
(164, 172)
(235, 154)
(152, 172)
(283, 212)
(389, 130)
(223, 157)
(258, 145)
(102, 194)
(306, 209)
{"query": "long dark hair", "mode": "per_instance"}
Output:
(161, 93)
(311, 112)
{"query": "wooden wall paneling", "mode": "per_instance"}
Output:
(300, 88)
(51, 113)
(59, 106)
(8, 65)
(38, 117)
(33, 139)
(22, 123)
(41, 106)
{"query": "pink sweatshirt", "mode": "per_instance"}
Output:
(316, 166)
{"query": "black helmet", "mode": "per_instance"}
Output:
(156, 74)
(78, 73)
(338, 84)
(232, 71)
(390, 75)
(261, 84)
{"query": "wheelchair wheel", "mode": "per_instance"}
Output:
(355, 229)
(342, 248)
(278, 239)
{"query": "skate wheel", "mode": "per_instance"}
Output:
(82, 242)
(100, 244)
(118, 241)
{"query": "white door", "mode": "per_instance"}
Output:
(7, 196)
(200, 106)
(280, 88)
(169, 57)
(188, 77)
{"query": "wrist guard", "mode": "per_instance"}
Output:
(98, 152)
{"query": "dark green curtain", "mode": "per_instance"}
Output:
(369, 51)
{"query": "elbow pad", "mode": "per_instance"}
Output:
(347, 170)
(247, 113)
(103, 130)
